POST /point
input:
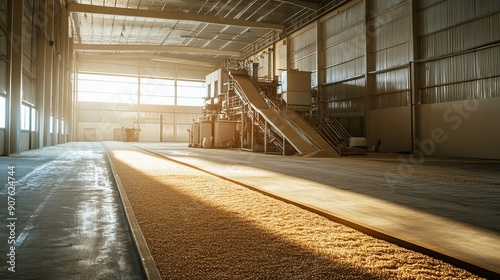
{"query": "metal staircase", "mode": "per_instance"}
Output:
(334, 133)
(271, 135)
(284, 128)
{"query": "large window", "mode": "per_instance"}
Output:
(157, 91)
(25, 117)
(28, 118)
(106, 88)
(33, 119)
(153, 91)
(190, 93)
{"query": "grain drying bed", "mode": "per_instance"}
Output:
(198, 226)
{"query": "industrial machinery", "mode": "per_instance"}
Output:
(270, 116)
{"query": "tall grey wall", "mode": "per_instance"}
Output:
(459, 77)
(393, 69)
(466, 128)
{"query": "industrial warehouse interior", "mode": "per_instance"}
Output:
(259, 139)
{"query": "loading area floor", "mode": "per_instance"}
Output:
(68, 221)
(446, 205)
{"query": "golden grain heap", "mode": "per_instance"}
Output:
(198, 226)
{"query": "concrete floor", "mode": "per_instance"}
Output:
(447, 205)
(70, 222)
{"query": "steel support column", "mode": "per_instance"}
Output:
(56, 90)
(320, 66)
(69, 89)
(16, 74)
(49, 67)
(369, 79)
(62, 76)
(55, 97)
(40, 85)
(414, 70)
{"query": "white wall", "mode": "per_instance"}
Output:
(105, 118)
(150, 133)
(104, 131)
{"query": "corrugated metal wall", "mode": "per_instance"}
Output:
(280, 56)
(371, 53)
(458, 42)
(302, 53)
(389, 41)
(350, 49)
(265, 60)
(342, 65)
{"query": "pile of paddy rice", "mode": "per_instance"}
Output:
(198, 226)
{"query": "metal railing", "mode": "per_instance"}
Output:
(334, 133)
(233, 103)
(271, 104)
(235, 86)
(330, 128)
(254, 114)
(274, 137)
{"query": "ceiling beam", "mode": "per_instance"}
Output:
(154, 48)
(183, 61)
(145, 58)
(303, 4)
(91, 9)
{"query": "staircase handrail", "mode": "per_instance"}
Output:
(271, 104)
(235, 86)
(271, 134)
(336, 126)
(334, 133)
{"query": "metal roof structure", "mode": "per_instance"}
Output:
(195, 31)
